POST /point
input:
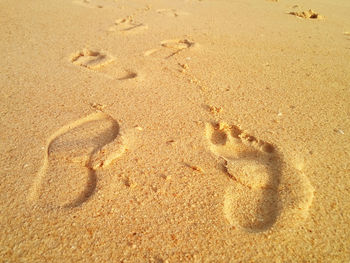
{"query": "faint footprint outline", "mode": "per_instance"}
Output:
(98, 158)
(171, 12)
(309, 14)
(86, 3)
(127, 25)
(98, 61)
(174, 46)
(264, 162)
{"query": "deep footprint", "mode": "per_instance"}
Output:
(252, 202)
(73, 154)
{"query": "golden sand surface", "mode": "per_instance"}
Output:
(175, 131)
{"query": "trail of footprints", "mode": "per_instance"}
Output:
(254, 200)
(73, 156)
(100, 61)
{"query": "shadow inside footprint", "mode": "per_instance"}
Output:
(102, 63)
(219, 137)
(307, 14)
(91, 59)
(252, 201)
(67, 177)
(128, 75)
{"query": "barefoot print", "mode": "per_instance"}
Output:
(171, 47)
(91, 59)
(310, 14)
(103, 63)
(171, 12)
(127, 25)
(253, 201)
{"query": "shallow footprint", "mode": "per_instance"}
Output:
(171, 12)
(73, 154)
(310, 14)
(92, 59)
(103, 63)
(254, 201)
(127, 26)
(87, 3)
(171, 47)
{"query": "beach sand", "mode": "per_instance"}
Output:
(175, 131)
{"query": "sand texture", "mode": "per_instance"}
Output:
(175, 131)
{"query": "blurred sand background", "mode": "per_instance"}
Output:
(168, 131)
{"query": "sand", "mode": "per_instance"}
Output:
(175, 131)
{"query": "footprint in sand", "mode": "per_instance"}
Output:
(306, 14)
(171, 47)
(127, 26)
(73, 155)
(171, 12)
(87, 3)
(103, 63)
(263, 186)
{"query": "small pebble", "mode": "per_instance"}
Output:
(339, 131)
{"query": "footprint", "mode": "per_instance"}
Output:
(306, 14)
(171, 12)
(127, 26)
(99, 61)
(73, 155)
(87, 3)
(254, 200)
(171, 47)
(92, 59)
